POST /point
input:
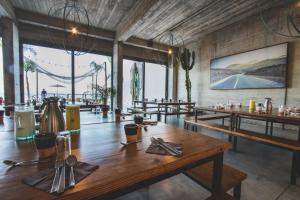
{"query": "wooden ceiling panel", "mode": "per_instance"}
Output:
(190, 19)
(104, 14)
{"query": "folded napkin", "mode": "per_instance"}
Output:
(81, 170)
(154, 148)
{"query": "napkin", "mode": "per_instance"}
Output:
(155, 149)
(81, 170)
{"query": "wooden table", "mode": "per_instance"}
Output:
(235, 121)
(121, 169)
(237, 114)
(162, 107)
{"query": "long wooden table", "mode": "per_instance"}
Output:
(121, 169)
(162, 107)
(235, 120)
(237, 114)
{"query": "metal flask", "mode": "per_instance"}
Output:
(268, 105)
(52, 120)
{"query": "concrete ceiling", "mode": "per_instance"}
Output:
(153, 19)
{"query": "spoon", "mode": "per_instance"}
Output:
(71, 161)
(128, 143)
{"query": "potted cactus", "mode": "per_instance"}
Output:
(187, 60)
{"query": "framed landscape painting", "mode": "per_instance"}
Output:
(261, 68)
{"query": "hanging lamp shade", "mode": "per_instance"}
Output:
(76, 27)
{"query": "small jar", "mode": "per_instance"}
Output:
(281, 110)
(252, 105)
(259, 108)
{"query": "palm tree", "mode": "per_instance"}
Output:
(97, 68)
(29, 66)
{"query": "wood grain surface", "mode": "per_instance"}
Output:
(119, 167)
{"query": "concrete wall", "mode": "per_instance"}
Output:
(245, 35)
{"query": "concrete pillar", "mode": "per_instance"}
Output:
(173, 74)
(118, 73)
(11, 61)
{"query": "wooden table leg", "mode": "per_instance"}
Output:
(217, 173)
(299, 135)
(267, 127)
(271, 129)
(295, 166)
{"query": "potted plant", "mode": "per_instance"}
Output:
(118, 114)
(104, 92)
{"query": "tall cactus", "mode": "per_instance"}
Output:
(187, 63)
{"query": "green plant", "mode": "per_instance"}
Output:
(97, 68)
(187, 60)
(29, 66)
(135, 87)
(104, 91)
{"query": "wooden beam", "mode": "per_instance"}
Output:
(142, 54)
(45, 20)
(139, 42)
(134, 18)
(38, 35)
(7, 10)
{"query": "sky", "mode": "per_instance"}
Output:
(59, 62)
(251, 56)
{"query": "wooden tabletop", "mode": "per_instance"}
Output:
(165, 102)
(245, 112)
(119, 167)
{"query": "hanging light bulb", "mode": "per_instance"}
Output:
(76, 21)
(170, 51)
(74, 31)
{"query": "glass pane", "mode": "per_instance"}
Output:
(132, 82)
(155, 81)
(90, 70)
(1, 71)
(53, 69)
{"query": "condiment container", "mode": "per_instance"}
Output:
(252, 105)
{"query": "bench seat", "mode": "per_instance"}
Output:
(231, 177)
(223, 196)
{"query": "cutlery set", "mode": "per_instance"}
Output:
(166, 146)
(59, 182)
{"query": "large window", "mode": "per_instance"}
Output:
(143, 80)
(1, 71)
(155, 81)
(46, 69)
(50, 69)
(89, 72)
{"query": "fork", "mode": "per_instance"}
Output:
(58, 165)
(61, 184)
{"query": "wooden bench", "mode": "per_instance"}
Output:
(283, 143)
(222, 196)
(231, 178)
(191, 120)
